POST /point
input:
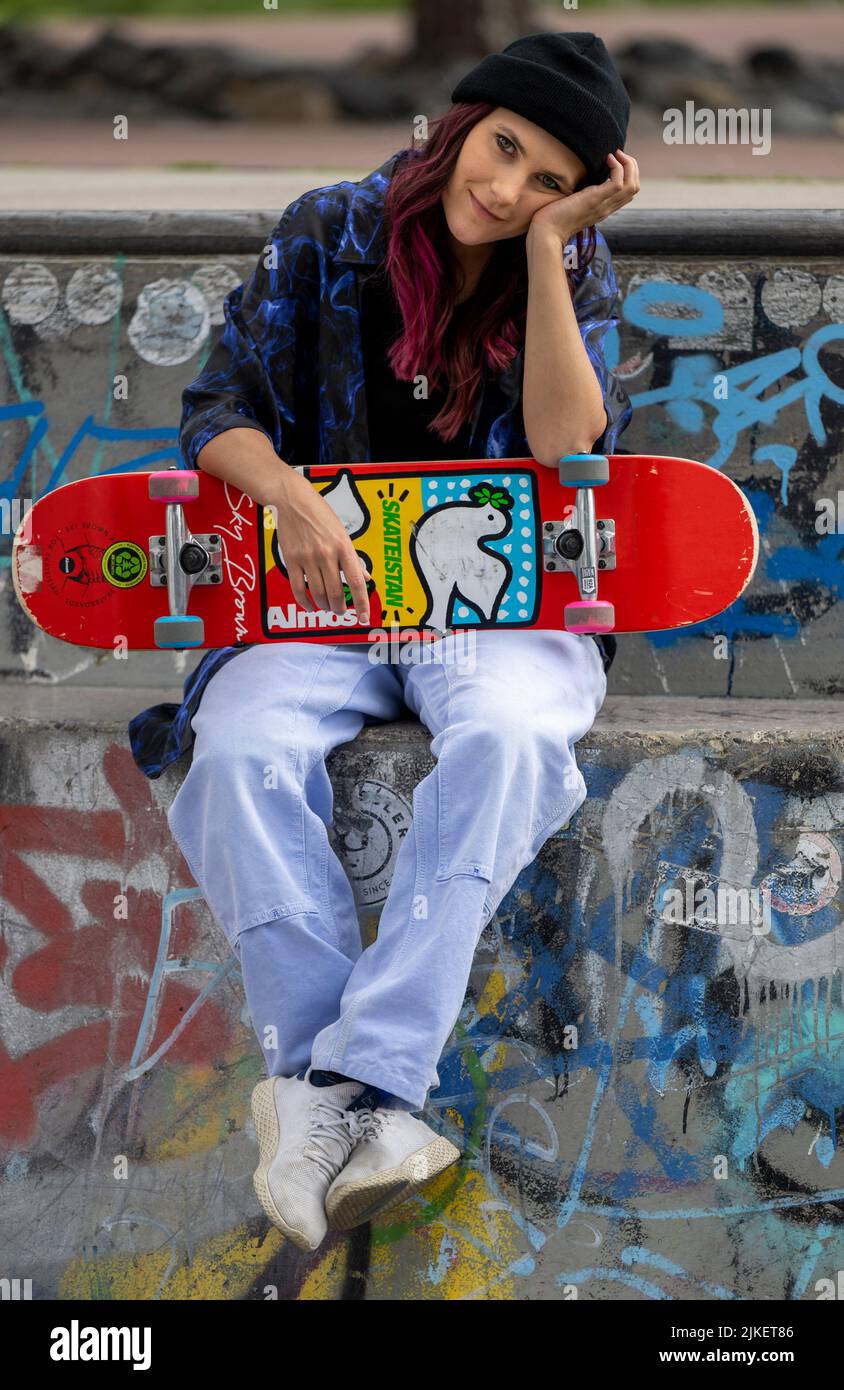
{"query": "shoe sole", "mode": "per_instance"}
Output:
(359, 1201)
(267, 1129)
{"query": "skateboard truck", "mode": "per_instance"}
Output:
(583, 544)
(179, 559)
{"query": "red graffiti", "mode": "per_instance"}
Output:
(99, 963)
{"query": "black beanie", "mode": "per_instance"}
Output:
(565, 83)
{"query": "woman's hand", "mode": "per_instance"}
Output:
(316, 547)
(565, 217)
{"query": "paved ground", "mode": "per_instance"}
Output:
(351, 144)
(49, 188)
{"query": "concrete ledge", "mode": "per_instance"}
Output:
(658, 232)
(641, 717)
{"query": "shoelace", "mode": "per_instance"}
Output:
(365, 1124)
(332, 1133)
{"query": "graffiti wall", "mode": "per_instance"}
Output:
(736, 363)
(740, 366)
(646, 1088)
(648, 1103)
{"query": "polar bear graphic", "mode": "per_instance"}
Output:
(448, 552)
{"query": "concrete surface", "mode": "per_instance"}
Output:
(84, 186)
(611, 1056)
(108, 710)
(280, 147)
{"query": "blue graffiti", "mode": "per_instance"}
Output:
(641, 304)
(747, 1080)
(690, 393)
(89, 429)
(15, 485)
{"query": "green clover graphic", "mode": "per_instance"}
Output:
(487, 496)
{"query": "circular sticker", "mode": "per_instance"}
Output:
(124, 564)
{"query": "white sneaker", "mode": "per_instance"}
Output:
(305, 1135)
(397, 1155)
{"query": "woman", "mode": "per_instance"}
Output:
(473, 287)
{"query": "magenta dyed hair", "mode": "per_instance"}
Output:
(422, 272)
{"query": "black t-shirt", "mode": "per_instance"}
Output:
(398, 421)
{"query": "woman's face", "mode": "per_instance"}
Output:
(513, 168)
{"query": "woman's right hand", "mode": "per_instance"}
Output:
(315, 548)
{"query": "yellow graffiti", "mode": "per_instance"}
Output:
(210, 1106)
(460, 1253)
(222, 1267)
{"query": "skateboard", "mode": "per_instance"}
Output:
(177, 559)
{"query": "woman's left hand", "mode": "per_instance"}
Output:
(568, 216)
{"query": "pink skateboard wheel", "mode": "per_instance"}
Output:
(589, 615)
(174, 485)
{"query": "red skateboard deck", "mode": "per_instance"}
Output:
(664, 543)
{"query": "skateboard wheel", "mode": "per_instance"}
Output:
(589, 615)
(175, 485)
(584, 470)
(185, 631)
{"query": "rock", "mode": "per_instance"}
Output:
(647, 65)
(199, 82)
(28, 61)
(779, 72)
(286, 97)
(379, 61)
(116, 61)
(792, 115)
(386, 98)
(116, 74)
(773, 62)
(710, 92)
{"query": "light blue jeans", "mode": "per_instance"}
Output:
(252, 813)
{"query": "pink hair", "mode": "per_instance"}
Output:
(421, 270)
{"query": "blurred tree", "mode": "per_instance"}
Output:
(449, 30)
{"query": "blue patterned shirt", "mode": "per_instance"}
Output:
(289, 362)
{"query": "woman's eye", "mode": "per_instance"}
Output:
(556, 188)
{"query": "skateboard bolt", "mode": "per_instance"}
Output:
(602, 564)
(213, 540)
(162, 540)
(552, 564)
(549, 526)
(192, 559)
(569, 544)
(600, 525)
